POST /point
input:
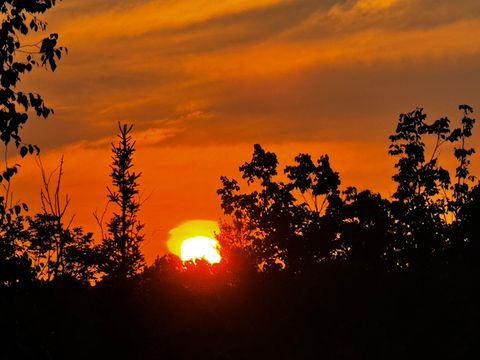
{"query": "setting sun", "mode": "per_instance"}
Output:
(200, 247)
(194, 239)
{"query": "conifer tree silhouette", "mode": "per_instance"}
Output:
(121, 244)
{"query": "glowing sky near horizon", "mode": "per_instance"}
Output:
(202, 81)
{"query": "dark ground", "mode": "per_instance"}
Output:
(329, 314)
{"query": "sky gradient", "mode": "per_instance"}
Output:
(202, 81)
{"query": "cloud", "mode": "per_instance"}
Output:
(269, 70)
(120, 19)
(385, 15)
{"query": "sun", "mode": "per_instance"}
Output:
(200, 247)
(195, 239)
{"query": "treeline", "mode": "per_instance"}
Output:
(302, 218)
(292, 222)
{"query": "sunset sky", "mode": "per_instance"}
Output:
(203, 80)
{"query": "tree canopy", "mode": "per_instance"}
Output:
(303, 217)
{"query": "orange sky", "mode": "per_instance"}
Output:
(202, 81)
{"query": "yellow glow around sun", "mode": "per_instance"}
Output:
(200, 247)
(194, 239)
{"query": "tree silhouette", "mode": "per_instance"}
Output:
(15, 262)
(19, 20)
(121, 243)
(462, 154)
(17, 58)
(58, 251)
(421, 204)
(366, 233)
(289, 224)
(308, 220)
(465, 202)
(56, 248)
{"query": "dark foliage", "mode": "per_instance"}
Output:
(58, 251)
(290, 223)
(120, 248)
(17, 58)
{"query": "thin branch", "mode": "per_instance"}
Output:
(101, 220)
